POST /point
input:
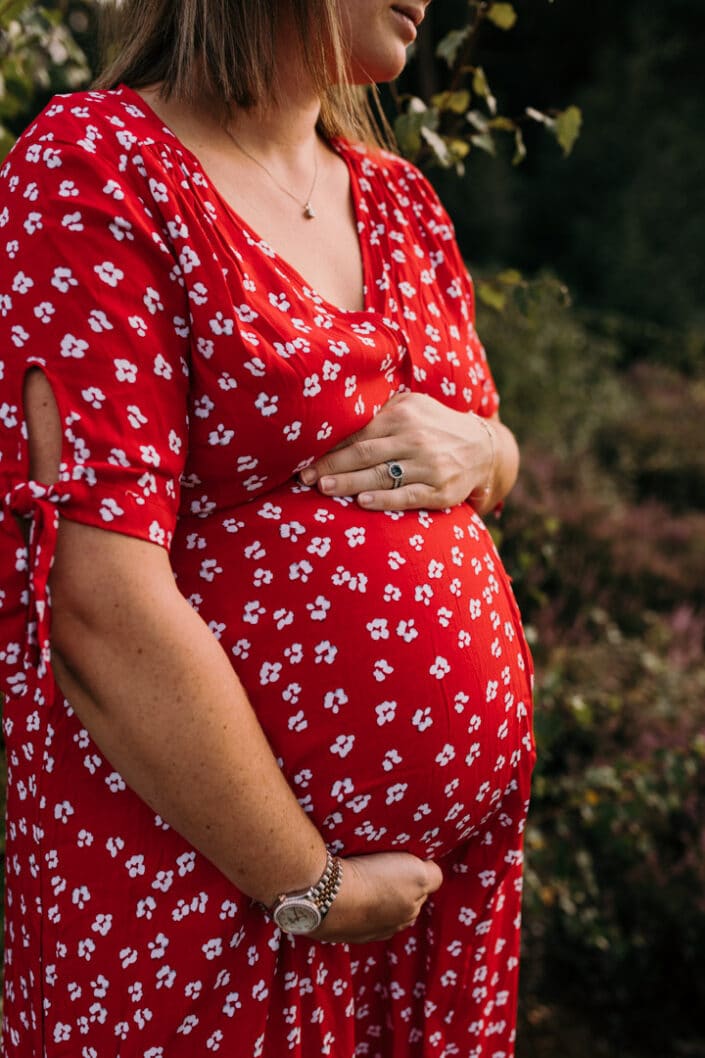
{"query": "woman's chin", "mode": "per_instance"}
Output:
(382, 70)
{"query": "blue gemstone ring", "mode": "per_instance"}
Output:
(396, 473)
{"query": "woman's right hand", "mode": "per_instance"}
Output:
(380, 895)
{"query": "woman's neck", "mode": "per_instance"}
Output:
(282, 132)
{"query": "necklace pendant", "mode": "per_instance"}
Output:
(309, 211)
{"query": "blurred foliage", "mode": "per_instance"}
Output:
(633, 234)
(609, 510)
(604, 535)
(39, 56)
(443, 129)
(605, 541)
(615, 912)
(622, 220)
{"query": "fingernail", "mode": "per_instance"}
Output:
(326, 484)
(365, 499)
(308, 476)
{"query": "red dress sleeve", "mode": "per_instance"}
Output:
(91, 294)
(93, 298)
(435, 234)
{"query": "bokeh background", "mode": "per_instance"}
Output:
(590, 270)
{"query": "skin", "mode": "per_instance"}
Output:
(378, 38)
(143, 672)
(150, 682)
(446, 456)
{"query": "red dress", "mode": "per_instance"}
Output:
(196, 373)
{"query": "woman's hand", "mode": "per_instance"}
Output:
(446, 457)
(380, 895)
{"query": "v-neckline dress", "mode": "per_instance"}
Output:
(196, 373)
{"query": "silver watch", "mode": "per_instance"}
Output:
(304, 910)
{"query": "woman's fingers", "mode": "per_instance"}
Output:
(386, 436)
(422, 485)
(444, 456)
(371, 478)
(374, 487)
(434, 876)
(413, 496)
(364, 453)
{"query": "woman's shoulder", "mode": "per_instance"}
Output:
(93, 146)
(107, 124)
(402, 186)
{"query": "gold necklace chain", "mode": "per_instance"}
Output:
(306, 206)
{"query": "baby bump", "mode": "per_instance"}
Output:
(385, 661)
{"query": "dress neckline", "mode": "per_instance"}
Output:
(348, 154)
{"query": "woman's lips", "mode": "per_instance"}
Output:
(412, 12)
(409, 18)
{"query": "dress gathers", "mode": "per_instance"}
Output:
(196, 373)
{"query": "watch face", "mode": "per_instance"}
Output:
(297, 916)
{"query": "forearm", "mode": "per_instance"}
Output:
(158, 695)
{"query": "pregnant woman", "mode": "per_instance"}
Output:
(268, 701)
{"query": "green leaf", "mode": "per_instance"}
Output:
(451, 44)
(479, 82)
(459, 148)
(439, 147)
(480, 87)
(540, 117)
(491, 296)
(456, 102)
(6, 141)
(519, 147)
(567, 128)
(502, 124)
(10, 9)
(510, 277)
(502, 15)
(478, 120)
(485, 142)
(408, 126)
(406, 132)
(417, 106)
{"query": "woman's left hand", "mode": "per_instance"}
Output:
(445, 456)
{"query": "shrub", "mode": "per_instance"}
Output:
(607, 553)
(615, 911)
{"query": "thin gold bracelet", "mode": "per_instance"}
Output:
(486, 491)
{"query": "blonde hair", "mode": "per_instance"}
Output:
(225, 51)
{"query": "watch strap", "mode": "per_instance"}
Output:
(323, 892)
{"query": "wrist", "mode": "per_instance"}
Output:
(482, 494)
(304, 910)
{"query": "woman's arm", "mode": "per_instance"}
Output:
(157, 693)
(447, 457)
